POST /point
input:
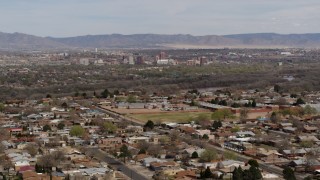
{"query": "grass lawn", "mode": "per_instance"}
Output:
(178, 117)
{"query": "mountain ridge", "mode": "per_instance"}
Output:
(16, 41)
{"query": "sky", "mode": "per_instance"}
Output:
(65, 18)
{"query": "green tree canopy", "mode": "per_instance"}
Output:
(46, 128)
(208, 155)
(254, 104)
(149, 124)
(109, 127)
(206, 174)
(105, 93)
(194, 154)
(77, 131)
(216, 124)
(60, 125)
(253, 162)
(124, 152)
(277, 88)
(222, 114)
(131, 99)
(2, 107)
(237, 174)
(205, 136)
(288, 174)
(308, 110)
(300, 101)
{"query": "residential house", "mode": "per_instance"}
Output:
(147, 161)
(290, 154)
(158, 166)
(309, 129)
(269, 156)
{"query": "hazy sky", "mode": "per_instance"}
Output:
(61, 18)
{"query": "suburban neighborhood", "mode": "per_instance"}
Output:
(188, 135)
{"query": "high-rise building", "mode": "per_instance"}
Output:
(203, 60)
(140, 60)
(163, 55)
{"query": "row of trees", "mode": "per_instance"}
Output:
(252, 173)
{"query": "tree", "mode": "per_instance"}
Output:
(60, 125)
(149, 124)
(237, 173)
(208, 155)
(64, 105)
(275, 117)
(223, 103)
(216, 124)
(253, 162)
(308, 110)
(48, 96)
(214, 101)
(77, 131)
(252, 173)
(105, 93)
(154, 150)
(288, 174)
(222, 114)
(46, 128)
(131, 99)
(203, 120)
(306, 144)
(2, 107)
(235, 105)
(142, 151)
(32, 149)
(205, 136)
(109, 127)
(46, 162)
(193, 103)
(194, 155)
(206, 174)
(58, 156)
(124, 152)
(116, 92)
(244, 114)
(4, 134)
(281, 101)
(254, 104)
(174, 135)
(300, 101)
(235, 129)
(76, 94)
(38, 169)
(277, 88)
(84, 95)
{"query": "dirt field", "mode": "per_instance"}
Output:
(156, 115)
(168, 117)
(148, 111)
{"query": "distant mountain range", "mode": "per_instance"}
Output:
(19, 41)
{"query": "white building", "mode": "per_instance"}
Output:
(84, 61)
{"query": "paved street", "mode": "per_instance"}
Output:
(119, 166)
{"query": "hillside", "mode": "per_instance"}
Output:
(18, 41)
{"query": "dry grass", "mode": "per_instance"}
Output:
(169, 117)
